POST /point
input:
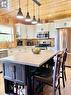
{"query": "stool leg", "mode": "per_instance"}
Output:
(59, 86)
(65, 73)
(63, 78)
(33, 86)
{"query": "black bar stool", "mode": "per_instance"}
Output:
(63, 71)
(49, 77)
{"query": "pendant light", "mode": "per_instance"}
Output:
(39, 21)
(28, 18)
(34, 21)
(19, 14)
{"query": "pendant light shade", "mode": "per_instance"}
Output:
(28, 18)
(39, 21)
(19, 14)
(34, 21)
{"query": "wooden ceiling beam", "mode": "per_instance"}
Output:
(38, 3)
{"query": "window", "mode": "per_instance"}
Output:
(6, 33)
(3, 3)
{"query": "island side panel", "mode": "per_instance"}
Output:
(13, 74)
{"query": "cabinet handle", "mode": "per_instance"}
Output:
(14, 72)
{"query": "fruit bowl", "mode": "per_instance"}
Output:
(36, 50)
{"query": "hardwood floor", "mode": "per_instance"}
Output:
(47, 90)
(1, 85)
(67, 89)
(64, 91)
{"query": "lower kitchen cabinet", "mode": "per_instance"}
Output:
(14, 79)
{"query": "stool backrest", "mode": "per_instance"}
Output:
(65, 56)
(56, 73)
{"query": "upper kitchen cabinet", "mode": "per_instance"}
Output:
(25, 31)
(20, 31)
(30, 31)
(45, 28)
(41, 28)
(63, 23)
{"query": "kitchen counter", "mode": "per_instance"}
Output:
(12, 51)
(3, 53)
(29, 58)
(3, 49)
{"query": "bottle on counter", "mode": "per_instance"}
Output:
(15, 89)
(21, 88)
(48, 34)
(24, 90)
(10, 87)
(18, 90)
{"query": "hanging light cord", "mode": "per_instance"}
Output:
(19, 3)
(27, 5)
(38, 12)
(33, 9)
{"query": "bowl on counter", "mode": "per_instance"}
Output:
(36, 50)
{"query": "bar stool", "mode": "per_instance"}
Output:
(52, 79)
(63, 72)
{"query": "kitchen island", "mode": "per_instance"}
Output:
(17, 69)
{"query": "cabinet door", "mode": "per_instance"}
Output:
(9, 71)
(14, 72)
(23, 73)
(20, 73)
(20, 31)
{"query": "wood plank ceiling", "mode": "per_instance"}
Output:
(49, 9)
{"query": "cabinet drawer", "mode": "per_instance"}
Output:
(20, 73)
